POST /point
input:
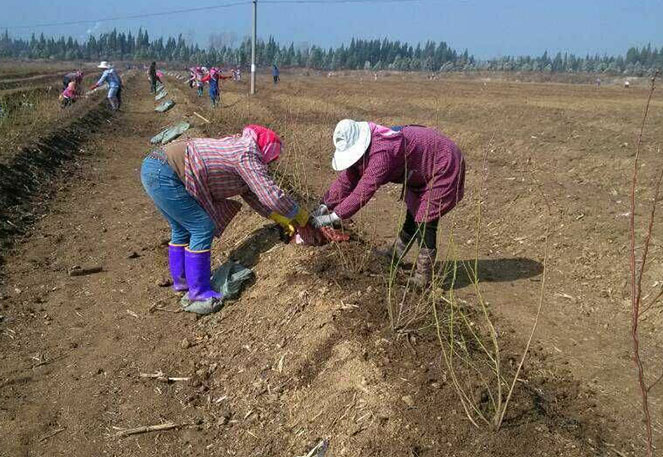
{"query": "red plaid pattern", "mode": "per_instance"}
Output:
(217, 169)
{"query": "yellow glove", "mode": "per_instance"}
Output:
(283, 222)
(301, 217)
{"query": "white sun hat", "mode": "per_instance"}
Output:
(105, 65)
(351, 139)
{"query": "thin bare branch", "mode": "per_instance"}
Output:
(652, 303)
(636, 284)
(651, 386)
(531, 335)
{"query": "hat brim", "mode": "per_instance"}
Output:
(105, 67)
(344, 159)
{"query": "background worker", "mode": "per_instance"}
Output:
(276, 74)
(112, 78)
(152, 74)
(428, 164)
(200, 74)
(72, 76)
(192, 77)
(191, 183)
(213, 78)
(69, 94)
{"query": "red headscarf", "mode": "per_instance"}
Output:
(268, 141)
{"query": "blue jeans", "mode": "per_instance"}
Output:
(115, 96)
(112, 91)
(189, 223)
(213, 95)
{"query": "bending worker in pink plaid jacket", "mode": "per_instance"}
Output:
(428, 164)
(191, 183)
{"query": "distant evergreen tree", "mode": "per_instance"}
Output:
(359, 54)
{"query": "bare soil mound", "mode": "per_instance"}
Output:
(26, 177)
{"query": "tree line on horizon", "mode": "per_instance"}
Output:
(360, 54)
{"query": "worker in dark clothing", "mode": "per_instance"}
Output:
(152, 73)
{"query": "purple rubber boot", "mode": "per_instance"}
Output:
(198, 274)
(176, 262)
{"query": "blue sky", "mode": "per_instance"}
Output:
(486, 27)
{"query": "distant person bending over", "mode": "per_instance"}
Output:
(192, 77)
(69, 95)
(275, 74)
(160, 80)
(110, 77)
(191, 183)
(200, 74)
(72, 76)
(428, 164)
(213, 78)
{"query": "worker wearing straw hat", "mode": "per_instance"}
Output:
(112, 78)
(428, 164)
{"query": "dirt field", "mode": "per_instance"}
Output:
(309, 352)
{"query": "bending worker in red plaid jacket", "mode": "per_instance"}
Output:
(191, 183)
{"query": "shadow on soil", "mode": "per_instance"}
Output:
(488, 270)
(248, 251)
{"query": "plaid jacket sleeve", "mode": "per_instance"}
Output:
(256, 176)
(254, 202)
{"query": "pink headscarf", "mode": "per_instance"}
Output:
(381, 131)
(268, 141)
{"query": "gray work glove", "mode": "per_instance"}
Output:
(325, 220)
